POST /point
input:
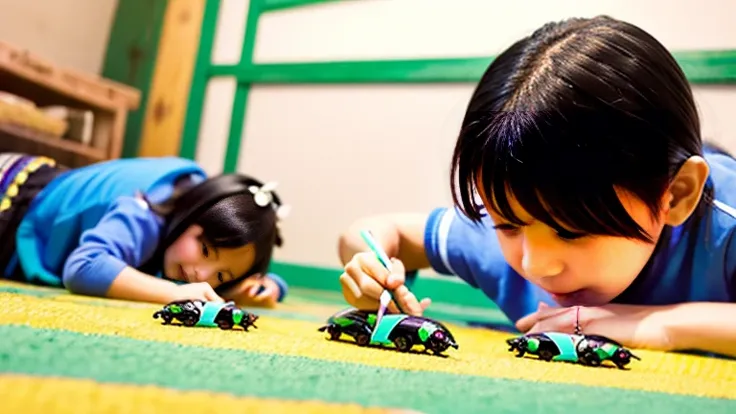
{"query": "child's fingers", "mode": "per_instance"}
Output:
(397, 276)
(263, 292)
(408, 301)
(528, 321)
(253, 290)
(349, 289)
(349, 285)
(211, 296)
(372, 267)
(392, 307)
(363, 284)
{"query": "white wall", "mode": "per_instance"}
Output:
(70, 33)
(358, 145)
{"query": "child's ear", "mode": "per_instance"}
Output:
(686, 190)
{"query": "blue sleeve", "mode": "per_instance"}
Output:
(448, 243)
(127, 235)
(283, 286)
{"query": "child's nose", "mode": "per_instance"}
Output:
(201, 275)
(539, 262)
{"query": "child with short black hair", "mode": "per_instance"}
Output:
(141, 229)
(583, 192)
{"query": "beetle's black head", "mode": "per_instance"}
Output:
(249, 320)
(623, 356)
(440, 336)
(516, 343)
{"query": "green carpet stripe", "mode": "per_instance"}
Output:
(44, 352)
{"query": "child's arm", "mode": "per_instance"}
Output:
(705, 326)
(131, 284)
(702, 326)
(104, 262)
(126, 236)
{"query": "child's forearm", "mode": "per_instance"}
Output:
(703, 326)
(131, 284)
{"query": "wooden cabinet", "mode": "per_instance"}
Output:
(106, 104)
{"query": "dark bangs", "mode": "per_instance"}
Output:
(567, 183)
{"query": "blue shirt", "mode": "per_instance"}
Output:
(696, 264)
(87, 224)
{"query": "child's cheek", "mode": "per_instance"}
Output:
(184, 252)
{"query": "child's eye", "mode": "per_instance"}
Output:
(220, 277)
(205, 250)
(569, 235)
(506, 229)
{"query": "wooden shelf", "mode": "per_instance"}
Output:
(93, 90)
(31, 77)
(13, 132)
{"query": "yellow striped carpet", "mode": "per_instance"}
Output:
(61, 353)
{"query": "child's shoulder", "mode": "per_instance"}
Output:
(699, 261)
(722, 178)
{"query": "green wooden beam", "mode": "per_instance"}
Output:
(193, 117)
(131, 57)
(273, 5)
(237, 117)
(701, 67)
(708, 66)
(380, 71)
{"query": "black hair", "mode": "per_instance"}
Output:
(227, 211)
(566, 115)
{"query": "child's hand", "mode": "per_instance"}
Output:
(254, 291)
(632, 326)
(195, 291)
(365, 278)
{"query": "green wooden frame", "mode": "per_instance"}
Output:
(701, 67)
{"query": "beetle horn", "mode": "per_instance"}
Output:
(635, 357)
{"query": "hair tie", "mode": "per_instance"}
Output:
(263, 197)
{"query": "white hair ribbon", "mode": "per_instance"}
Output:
(263, 197)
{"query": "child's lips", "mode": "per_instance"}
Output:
(580, 297)
(576, 297)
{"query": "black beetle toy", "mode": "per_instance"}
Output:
(399, 330)
(591, 350)
(224, 315)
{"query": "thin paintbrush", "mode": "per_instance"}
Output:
(386, 296)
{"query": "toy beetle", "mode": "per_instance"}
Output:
(590, 350)
(224, 315)
(399, 330)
